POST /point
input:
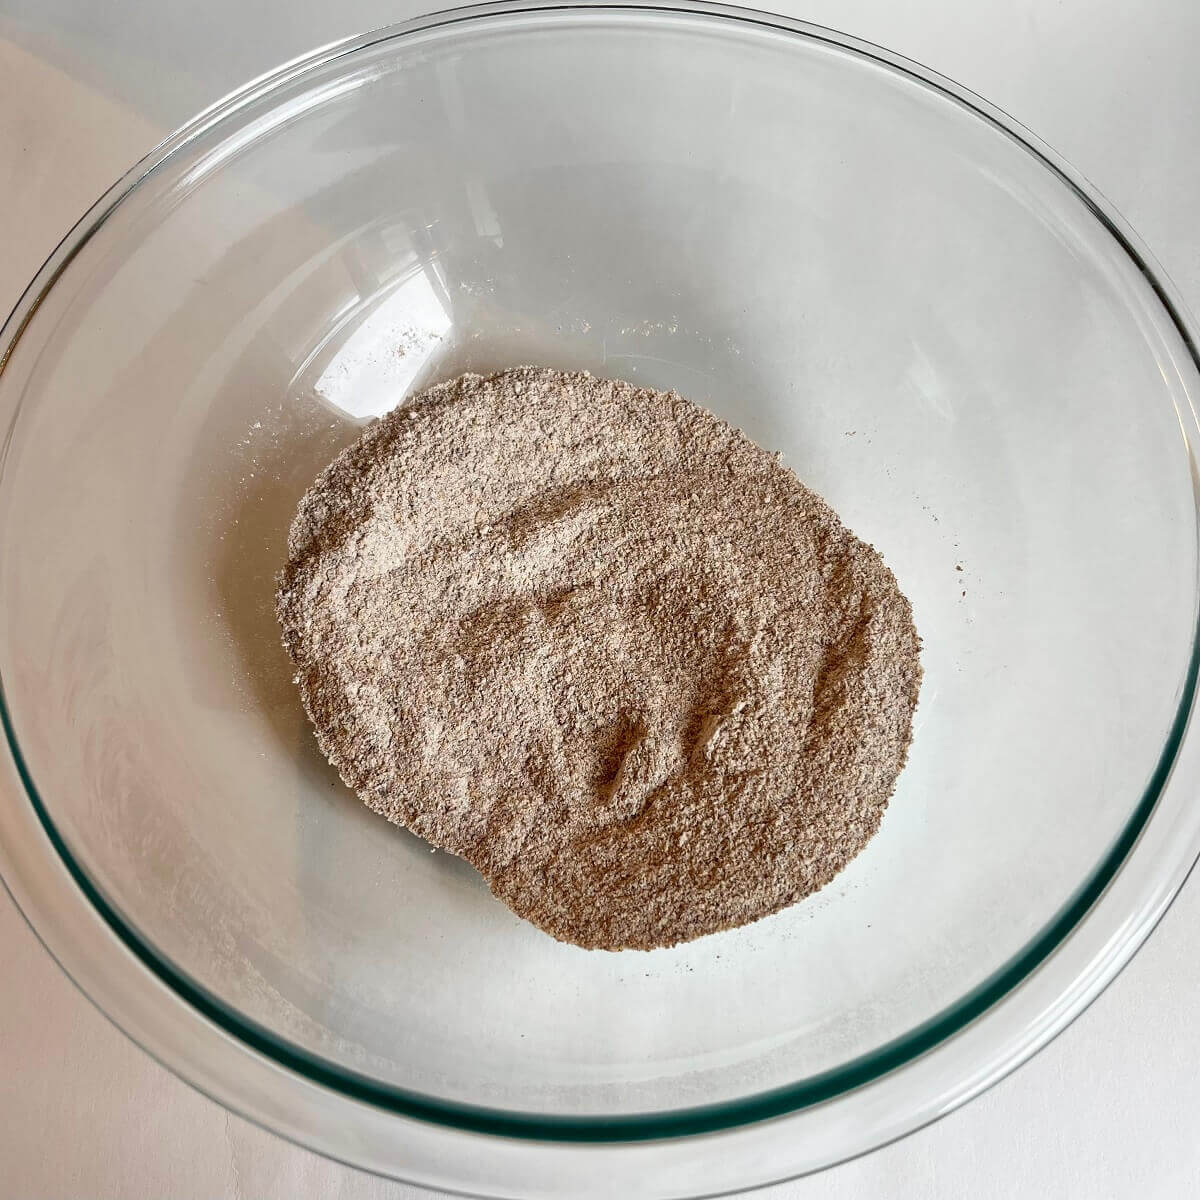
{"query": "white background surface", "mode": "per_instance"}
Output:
(1111, 1109)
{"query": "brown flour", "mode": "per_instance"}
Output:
(597, 642)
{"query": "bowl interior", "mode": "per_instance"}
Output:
(938, 334)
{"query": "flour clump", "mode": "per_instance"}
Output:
(596, 641)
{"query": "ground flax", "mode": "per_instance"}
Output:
(597, 642)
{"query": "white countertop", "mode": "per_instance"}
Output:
(1109, 1109)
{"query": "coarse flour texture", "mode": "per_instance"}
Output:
(596, 641)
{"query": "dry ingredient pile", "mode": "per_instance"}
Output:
(596, 641)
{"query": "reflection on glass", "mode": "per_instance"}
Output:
(374, 367)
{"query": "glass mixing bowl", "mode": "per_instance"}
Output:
(938, 324)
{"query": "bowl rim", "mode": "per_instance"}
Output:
(54, 892)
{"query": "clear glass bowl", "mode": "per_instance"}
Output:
(936, 322)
